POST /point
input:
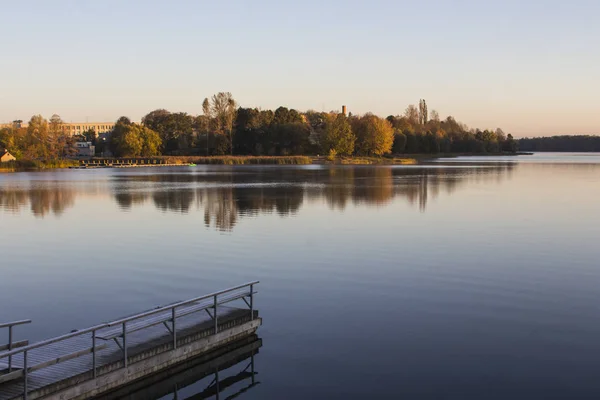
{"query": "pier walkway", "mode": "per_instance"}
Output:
(96, 360)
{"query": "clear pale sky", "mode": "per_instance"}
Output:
(531, 67)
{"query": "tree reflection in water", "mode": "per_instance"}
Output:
(42, 198)
(225, 194)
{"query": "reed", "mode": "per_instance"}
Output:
(33, 165)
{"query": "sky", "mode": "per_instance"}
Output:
(530, 67)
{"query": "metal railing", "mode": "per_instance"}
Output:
(11, 345)
(123, 322)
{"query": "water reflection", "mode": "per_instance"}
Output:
(225, 197)
(226, 194)
(43, 199)
(225, 375)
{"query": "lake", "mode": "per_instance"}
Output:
(464, 278)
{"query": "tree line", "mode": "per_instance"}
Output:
(574, 143)
(224, 128)
(42, 139)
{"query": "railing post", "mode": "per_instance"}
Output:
(174, 326)
(251, 302)
(216, 318)
(10, 339)
(125, 344)
(26, 375)
(94, 352)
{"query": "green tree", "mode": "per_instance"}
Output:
(399, 142)
(123, 121)
(156, 120)
(512, 146)
(90, 136)
(374, 135)
(176, 130)
(338, 135)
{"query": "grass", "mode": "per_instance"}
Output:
(34, 165)
(368, 161)
(238, 160)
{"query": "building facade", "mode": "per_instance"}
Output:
(73, 128)
(77, 128)
(85, 149)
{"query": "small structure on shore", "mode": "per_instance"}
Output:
(85, 149)
(5, 156)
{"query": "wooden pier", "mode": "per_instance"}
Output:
(239, 354)
(98, 360)
(124, 163)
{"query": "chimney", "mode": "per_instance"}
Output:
(344, 110)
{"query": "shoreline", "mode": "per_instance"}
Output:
(93, 163)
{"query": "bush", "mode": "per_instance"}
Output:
(332, 155)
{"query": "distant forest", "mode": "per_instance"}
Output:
(567, 143)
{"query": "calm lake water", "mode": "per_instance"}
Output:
(465, 278)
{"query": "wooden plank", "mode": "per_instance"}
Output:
(9, 377)
(65, 358)
(15, 345)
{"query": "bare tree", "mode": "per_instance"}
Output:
(412, 114)
(224, 109)
(423, 116)
(207, 117)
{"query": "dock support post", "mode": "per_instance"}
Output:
(26, 375)
(174, 328)
(216, 319)
(252, 366)
(10, 340)
(217, 390)
(94, 353)
(125, 344)
(251, 302)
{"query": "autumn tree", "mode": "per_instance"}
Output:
(374, 135)
(337, 136)
(14, 139)
(151, 141)
(133, 140)
(38, 138)
(125, 141)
